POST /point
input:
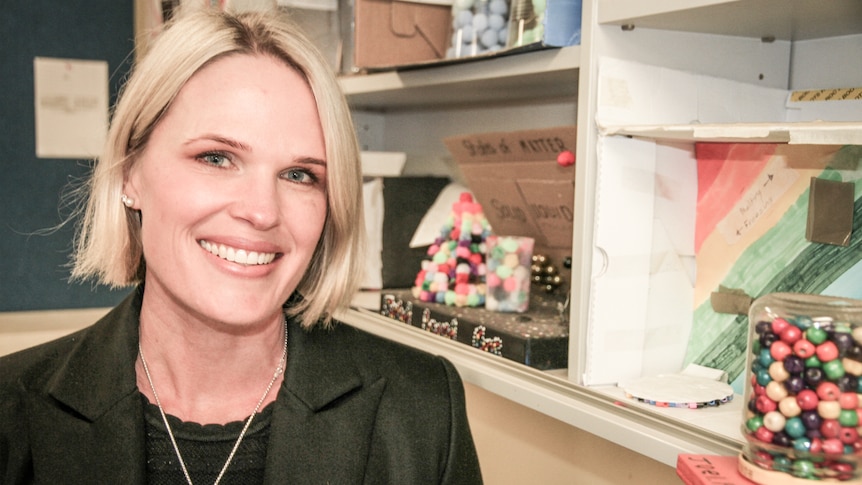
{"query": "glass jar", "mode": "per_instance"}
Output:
(801, 419)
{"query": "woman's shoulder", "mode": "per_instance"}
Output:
(34, 365)
(108, 335)
(396, 361)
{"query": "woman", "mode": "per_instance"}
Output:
(229, 191)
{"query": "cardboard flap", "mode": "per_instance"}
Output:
(505, 208)
(550, 207)
(522, 188)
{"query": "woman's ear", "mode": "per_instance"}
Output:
(130, 195)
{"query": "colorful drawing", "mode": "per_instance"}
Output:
(752, 213)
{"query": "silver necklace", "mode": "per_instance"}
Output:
(278, 371)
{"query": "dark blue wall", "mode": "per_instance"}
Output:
(33, 268)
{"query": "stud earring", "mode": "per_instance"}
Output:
(127, 201)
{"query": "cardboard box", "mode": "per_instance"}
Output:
(522, 188)
(538, 338)
(390, 33)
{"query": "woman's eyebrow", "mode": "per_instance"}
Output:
(240, 146)
(235, 144)
(311, 161)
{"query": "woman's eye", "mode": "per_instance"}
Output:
(300, 176)
(215, 159)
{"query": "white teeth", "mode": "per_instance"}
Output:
(239, 256)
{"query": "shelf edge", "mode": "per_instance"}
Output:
(819, 133)
(574, 405)
(481, 70)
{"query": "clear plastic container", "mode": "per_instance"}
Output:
(526, 22)
(478, 26)
(508, 273)
(802, 409)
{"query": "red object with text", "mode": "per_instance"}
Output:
(710, 470)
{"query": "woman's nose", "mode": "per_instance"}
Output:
(257, 203)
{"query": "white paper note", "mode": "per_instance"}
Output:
(71, 103)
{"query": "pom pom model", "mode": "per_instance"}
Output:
(453, 272)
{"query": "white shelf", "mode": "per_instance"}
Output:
(550, 73)
(725, 420)
(780, 19)
(818, 133)
(602, 412)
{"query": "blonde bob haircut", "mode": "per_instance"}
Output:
(108, 243)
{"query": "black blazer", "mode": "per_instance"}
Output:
(353, 408)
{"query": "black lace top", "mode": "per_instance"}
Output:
(205, 449)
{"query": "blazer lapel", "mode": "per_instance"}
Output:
(101, 421)
(324, 417)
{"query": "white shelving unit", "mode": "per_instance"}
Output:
(763, 43)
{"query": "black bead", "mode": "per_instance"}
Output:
(814, 376)
(794, 384)
(811, 420)
(794, 364)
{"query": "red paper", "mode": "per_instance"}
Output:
(710, 470)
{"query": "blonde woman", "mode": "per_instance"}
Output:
(229, 194)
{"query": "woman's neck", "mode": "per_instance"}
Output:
(207, 371)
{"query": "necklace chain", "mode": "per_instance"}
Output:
(278, 371)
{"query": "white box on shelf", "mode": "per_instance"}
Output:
(382, 164)
(645, 297)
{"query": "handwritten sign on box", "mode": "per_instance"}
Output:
(522, 188)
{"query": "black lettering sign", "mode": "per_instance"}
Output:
(542, 145)
(541, 211)
(479, 148)
(508, 212)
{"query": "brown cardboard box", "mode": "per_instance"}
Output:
(389, 33)
(522, 188)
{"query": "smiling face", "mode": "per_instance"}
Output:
(232, 193)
